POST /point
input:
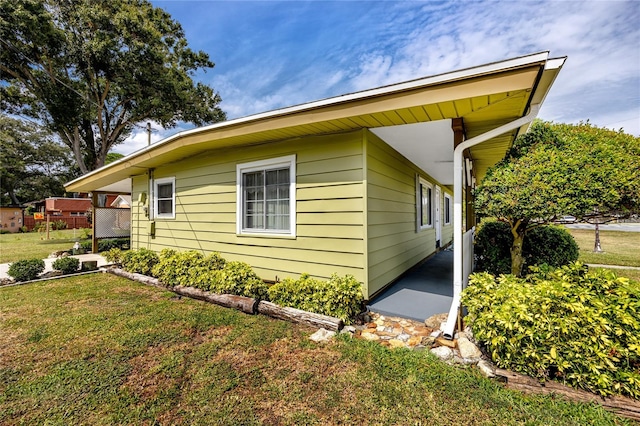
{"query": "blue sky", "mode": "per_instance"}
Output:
(274, 54)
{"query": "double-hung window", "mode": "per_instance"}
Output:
(424, 201)
(164, 198)
(266, 196)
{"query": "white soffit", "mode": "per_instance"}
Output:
(123, 186)
(427, 145)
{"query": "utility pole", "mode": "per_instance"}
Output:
(148, 133)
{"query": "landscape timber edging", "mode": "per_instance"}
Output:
(247, 305)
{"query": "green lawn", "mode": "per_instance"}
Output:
(104, 350)
(35, 245)
(620, 248)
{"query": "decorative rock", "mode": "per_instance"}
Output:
(468, 350)
(370, 336)
(322, 335)
(486, 368)
(468, 333)
(414, 341)
(380, 328)
(419, 348)
(436, 320)
(404, 337)
(348, 329)
(395, 343)
(444, 342)
(443, 352)
(428, 341)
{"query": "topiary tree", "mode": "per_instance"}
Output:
(556, 170)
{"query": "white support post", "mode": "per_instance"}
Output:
(458, 173)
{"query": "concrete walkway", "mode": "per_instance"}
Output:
(426, 291)
(4, 267)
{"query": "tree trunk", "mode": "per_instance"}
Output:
(517, 260)
(597, 248)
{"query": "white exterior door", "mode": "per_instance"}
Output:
(438, 216)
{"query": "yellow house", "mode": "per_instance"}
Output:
(359, 184)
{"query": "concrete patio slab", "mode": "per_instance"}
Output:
(423, 292)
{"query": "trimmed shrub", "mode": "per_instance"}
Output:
(567, 324)
(67, 265)
(239, 278)
(551, 245)
(339, 297)
(26, 270)
(113, 255)
(140, 261)
(188, 268)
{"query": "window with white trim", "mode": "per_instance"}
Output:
(266, 199)
(447, 209)
(425, 204)
(164, 198)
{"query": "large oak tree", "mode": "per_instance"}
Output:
(90, 70)
(561, 169)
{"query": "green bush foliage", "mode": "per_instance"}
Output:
(240, 279)
(107, 244)
(339, 297)
(568, 324)
(551, 245)
(113, 255)
(188, 268)
(140, 261)
(67, 265)
(57, 225)
(26, 270)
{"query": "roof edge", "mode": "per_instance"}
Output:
(443, 78)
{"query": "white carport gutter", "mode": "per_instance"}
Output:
(458, 172)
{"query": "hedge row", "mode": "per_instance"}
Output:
(339, 297)
(568, 324)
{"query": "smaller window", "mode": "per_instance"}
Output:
(164, 202)
(425, 204)
(447, 209)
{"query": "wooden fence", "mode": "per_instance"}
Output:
(73, 222)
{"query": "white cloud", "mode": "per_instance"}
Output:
(139, 138)
(272, 55)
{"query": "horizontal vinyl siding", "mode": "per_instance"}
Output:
(329, 204)
(393, 245)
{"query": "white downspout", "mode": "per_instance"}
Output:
(458, 172)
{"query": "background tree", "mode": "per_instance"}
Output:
(33, 165)
(560, 169)
(89, 70)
